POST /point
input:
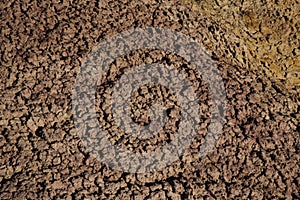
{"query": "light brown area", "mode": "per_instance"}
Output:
(269, 31)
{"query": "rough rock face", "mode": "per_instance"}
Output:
(43, 45)
(267, 31)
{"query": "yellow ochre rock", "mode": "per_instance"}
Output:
(268, 30)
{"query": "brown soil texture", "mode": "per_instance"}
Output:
(43, 45)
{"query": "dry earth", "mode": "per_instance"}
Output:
(43, 45)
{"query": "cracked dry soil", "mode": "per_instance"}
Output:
(43, 45)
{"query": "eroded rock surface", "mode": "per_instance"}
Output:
(43, 45)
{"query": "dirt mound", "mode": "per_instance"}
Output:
(44, 44)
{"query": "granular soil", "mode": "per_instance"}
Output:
(43, 45)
